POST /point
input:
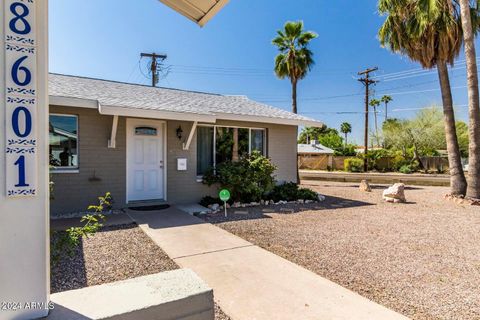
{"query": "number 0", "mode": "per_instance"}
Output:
(16, 122)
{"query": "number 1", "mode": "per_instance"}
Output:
(21, 172)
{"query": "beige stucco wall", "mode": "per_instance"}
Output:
(73, 192)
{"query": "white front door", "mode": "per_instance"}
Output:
(145, 160)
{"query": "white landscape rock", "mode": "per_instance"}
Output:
(395, 193)
(320, 197)
(215, 206)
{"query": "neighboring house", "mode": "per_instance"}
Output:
(153, 144)
(313, 148)
(314, 156)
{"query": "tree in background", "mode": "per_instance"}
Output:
(295, 59)
(386, 100)
(346, 128)
(430, 33)
(470, 24)
(423, 135)
(375, 103)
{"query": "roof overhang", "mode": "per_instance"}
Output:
(171, 115)
(253, 118)
(199, 11)
(155, 114)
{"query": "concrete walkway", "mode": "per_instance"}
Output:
(249, 282)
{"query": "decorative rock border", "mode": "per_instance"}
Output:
(215, 208)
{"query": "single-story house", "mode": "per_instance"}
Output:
(313, 148)
(153, 144)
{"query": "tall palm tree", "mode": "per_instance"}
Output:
(470, 24)
(386, 99)
(430, 33)
(375, 103)
(346, 128)
(295, 59)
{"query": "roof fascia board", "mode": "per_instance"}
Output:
(212, 12)
(73, 102)
(249, 118)
(189, 10)
(155, 114)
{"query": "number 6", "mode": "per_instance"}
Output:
(16, 68)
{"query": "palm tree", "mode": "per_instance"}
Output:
(295, 59)
(346, 128)
(386, 99)
(430, 33)
(470, 24)
(375, 103)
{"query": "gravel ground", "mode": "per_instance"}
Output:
(421, 258)
(113, 254)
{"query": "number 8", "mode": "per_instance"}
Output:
(19, 17)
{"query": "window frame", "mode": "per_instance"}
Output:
(264, 151)
(72, 169)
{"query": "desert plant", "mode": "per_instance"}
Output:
(65, 242)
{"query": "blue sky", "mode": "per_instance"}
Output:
(233, 54)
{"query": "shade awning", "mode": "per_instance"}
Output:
(199, 11)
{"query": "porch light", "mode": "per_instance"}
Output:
(179, 132)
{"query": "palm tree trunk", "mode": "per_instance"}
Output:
(294, 95)
(346, 139)
(473, 189)
(386, 111)
(458, 183)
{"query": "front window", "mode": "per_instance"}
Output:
(63, 133)
(219, 144)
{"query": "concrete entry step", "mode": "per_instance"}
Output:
(177, 294)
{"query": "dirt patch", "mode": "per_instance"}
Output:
(421, 258)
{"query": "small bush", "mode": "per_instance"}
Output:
(287, 191)
(353, 165)
(208, 200)
(65, 242)
(307, 194)
(405, 169)
(290, 192)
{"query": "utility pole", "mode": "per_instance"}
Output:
(367, 82)
(154, 64)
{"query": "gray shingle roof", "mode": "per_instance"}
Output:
(314, 148)
(134, 96)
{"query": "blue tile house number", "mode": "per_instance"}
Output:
(20, 95)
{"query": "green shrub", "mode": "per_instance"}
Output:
(307, 194)
(287, 191)
(405, 169)
(248, 179)
(208, 200)
(353, 165)
(290, 192)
